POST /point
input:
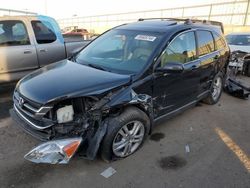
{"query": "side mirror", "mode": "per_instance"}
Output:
(171, 67)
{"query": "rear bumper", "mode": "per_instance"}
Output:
(43, 135)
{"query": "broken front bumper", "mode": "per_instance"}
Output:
(88, 146)
(42, 135)
(54, 152)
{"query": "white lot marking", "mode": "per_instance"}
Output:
(108, 172)
(187, 148)
(242, 156)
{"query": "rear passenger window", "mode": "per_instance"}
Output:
(205, 42)
(13, 33)
(44, 32)
(219, 42)
(181, 50)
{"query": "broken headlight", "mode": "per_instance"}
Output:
(54, 152)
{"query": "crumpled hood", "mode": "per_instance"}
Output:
(67, 79)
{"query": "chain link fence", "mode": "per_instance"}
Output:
(10, 12)
(235, 16)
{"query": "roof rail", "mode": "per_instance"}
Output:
(188, 21)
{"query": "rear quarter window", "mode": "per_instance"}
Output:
(205, 42)
(220, 43)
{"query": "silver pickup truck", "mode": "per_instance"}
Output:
(30, 42)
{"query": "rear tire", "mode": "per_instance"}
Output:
(248, 69)
(121, 133)
(215, 90)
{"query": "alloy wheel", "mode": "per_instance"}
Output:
(128, 139)
(217, 87)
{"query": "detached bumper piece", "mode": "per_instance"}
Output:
(237, 88)
(54, 152)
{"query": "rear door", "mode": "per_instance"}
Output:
(49, 43)
(209, 58)
(174, 90)
(17, 51)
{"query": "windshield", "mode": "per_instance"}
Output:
(242, 40)
(121, 51)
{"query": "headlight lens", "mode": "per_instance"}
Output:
(54, 152)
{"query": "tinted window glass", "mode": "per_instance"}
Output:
(181, 50)
(44, 32)
(13, 33)
(219, 42)
(242, 40)
(205, 42)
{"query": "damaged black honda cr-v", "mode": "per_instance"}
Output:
(107, 97)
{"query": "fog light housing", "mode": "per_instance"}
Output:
(54, 152)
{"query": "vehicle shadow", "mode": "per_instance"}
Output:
(6, 100)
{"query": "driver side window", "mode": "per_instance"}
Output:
(181, 50)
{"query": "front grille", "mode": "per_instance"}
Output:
(27, 106)
(32, 112)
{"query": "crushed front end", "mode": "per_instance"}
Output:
(237, 78)
(76, 118)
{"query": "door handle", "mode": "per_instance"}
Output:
(216, 57)
(194, 67)
(27, 51)
(43, 50)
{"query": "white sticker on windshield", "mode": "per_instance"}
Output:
(145, 37)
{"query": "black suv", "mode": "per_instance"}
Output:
(108, 96)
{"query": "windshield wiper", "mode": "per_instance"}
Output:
(97, 67)
(73, 58)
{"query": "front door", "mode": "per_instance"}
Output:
(173, 90)
(50, 45)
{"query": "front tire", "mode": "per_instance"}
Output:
(125, 134)
(215, 90)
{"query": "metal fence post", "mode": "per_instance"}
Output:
(210, 12)
(246, 15)
(183, 9)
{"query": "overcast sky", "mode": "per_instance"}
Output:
(68, 8)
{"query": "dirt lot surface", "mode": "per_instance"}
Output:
(207, 146)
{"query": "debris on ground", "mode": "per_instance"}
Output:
(108, 172)
(238, 71)
(187, 148)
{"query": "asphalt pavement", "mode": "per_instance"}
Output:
(206, 146)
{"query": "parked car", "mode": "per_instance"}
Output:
(28, 43)
(82, 33)
(69, 28)
(108, 97)
(77, 31)
(239, 41)
(239, 44)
